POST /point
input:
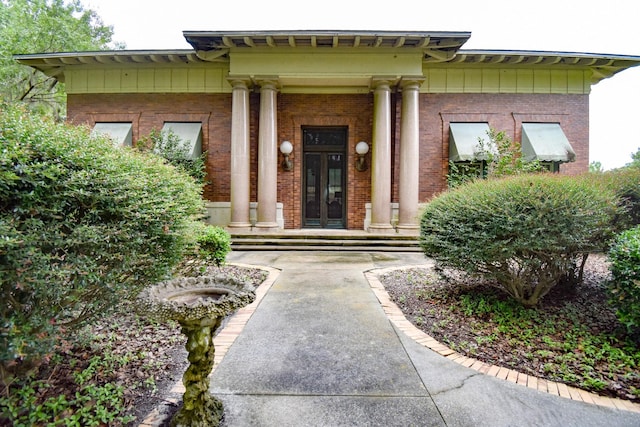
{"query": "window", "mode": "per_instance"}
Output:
(120, 133)
(547, 143)
(466, 157)
(190, 135)
(465, 141)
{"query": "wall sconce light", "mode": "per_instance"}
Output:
(362, 148)
(286, 148)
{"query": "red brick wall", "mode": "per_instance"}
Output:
(504, 112)
(150, 111)
(353, 111)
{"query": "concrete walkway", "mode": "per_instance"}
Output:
(319, 350)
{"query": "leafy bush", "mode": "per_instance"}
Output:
(214, 244)
(625, 182)
(83, 225)
(504, 156)
(211, 246)
(169, 146)
(624, 287)
(526, 233)
(497, 157)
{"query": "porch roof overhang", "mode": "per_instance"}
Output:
(439, 48)
(602, 66)
(438, 45)
(54, 64)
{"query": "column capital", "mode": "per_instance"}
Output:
(240, 81)
(267, 82)
(411, 82)
(382, 82)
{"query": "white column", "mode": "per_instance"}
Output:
(408, 221)
(381, 160)
(240, 156)
(267, 158)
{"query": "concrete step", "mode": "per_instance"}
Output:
(329, 241)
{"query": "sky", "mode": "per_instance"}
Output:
(550, 25)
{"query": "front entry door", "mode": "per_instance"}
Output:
(324, 197)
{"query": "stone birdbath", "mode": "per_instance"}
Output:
(199, 304)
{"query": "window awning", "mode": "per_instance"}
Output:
(464, 140)
(190, 135)
(546, 142)
(120, 133)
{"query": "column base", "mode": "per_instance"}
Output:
(409, 229)
(381, 229)
(267, 226)
(239, 226)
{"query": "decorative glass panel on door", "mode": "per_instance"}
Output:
(311, 208)
(334, 183)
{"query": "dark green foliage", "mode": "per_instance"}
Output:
(40, 26)
(169, 146)
(525, 233)
(504, 156)
(498, 156)
(624, 287)
(463, 172)
(214, 243)
(635, 160)
(211, 246)
(83, 225)
(625, 182)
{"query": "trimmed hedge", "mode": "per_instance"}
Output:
(83, 225)
(525, 233)
(624, 287)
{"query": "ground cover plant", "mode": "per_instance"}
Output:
(522, 278)
(572, 336)
(112, 372)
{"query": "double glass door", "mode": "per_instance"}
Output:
(324, 198)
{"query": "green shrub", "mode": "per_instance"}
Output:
(624, 286)
(170, 147)
(83, 225)
(214, 243)
(497, 157)
(211, 245)
(625, 183)
(525, 233)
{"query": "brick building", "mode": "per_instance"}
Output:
(325, 129)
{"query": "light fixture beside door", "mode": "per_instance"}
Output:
(286, 148)
(362, 148)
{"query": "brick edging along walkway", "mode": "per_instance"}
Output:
(230, 331)
(398, 318)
